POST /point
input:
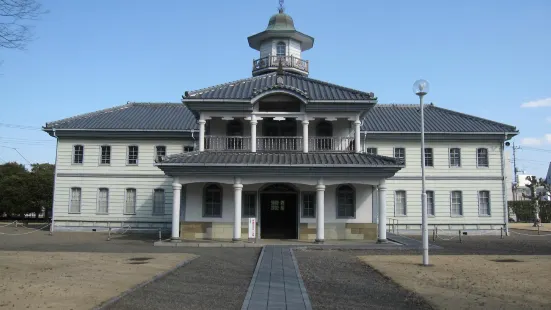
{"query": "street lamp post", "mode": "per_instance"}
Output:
(421, 88)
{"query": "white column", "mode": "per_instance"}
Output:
(305, 136)
(382, 212)
(357, 141)
(202, 123)
(253, 133)
(176, 196)
(320, 212)
(238, 188)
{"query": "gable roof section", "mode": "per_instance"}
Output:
(246, 89)
(132, 116)
(405, 118)
(177, 117)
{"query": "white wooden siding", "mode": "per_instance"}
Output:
(267, 49)
(294, 48)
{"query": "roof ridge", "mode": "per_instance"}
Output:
(329, 84)
(192, 92)
(84, 115)
(469, 116)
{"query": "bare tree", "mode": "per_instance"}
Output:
(535, 197)
(15, 32)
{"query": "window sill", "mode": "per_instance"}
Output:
(346, 217)
(131, 164)
(400, 215)
(457, 216)
(74, 213)
(430, 215)
(213, 216)
(158, 214)
(99, 213)
(454, 167)
(77, 164)
(129, 214)
(484, 215)
(106, 165)
(482, 167)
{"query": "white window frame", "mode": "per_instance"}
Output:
(405, 153)
(74, 152)
(126, 200)
(278, 44)
(204, 196)
(156, 152)
(160, 210)
(98, 201)
(303, 206)
(128, 155)
(371, 148)
(489, 203)
(450, 157)
(433, 214)
(244, 206)
(101, 154)
(71, 200)
(487, 157)
(396, 202)
(354, 206)
(188, 148)
(431, 157)
(461, 205)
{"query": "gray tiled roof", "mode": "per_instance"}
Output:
(133, 116)
(280, 159)
(177, 117)
(407, 118)
(250, 87)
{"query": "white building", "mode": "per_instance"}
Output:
(309, 159)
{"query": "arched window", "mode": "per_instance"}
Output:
(346, 201)
(212, 200)
(234, 130)
(281, 49)
(324, 133)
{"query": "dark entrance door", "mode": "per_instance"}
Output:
(278, 217)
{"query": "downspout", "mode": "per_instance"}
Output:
(55, 181)
(504, 188)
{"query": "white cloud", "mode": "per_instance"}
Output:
(537, 103)
(548, 138)
(530, 141)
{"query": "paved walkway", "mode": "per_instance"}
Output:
(276, 282)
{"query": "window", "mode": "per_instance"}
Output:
(103, 201)
(484, 203)
(281, 49)
(234, 130)
(345, 201)
(482, 157)
(249, 204)
(78, 154)
(188, 149)
(371, 150)
(429, 157)
(455, 157)
(400, 207)
(105, 155)
(308, 204)
(400, 153)
(159, 201)
(430, 203)
(133, 155)
(324, 132)
(130, 201)
(457, 204)
(212, 200)
(75, 200)
(160, 151)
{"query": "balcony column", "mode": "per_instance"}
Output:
(382, 212)
(357, 141)
(320, 212)
(202, 123)
(305, 136)
(176, 197)
(238, 188)
(253, 133)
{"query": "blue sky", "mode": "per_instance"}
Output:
(485, 58)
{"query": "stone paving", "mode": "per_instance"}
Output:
(276, 282)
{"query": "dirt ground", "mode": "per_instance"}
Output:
(530, 226)
(75, 280)
(472, 281)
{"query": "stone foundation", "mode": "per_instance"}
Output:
(340, 231)
(307, 232)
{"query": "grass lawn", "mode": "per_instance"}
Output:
(75, 280)
(472, 281)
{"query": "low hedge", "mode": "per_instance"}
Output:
(524, 212)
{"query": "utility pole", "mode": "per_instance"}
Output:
(515, 170)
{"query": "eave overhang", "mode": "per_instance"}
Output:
(306, 41)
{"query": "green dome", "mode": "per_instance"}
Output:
(281, 21)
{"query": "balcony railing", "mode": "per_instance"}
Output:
(280, 144)
(286, 62)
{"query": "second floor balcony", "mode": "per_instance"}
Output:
(289, 63)
(280, 144)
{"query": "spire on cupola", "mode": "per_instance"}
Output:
(281, 43)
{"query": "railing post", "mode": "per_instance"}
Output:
(305, 135)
